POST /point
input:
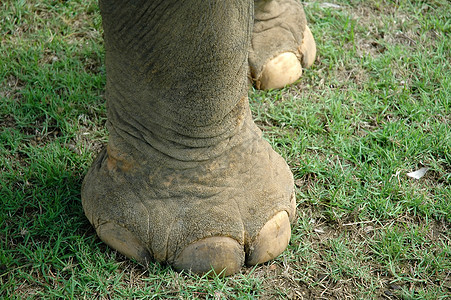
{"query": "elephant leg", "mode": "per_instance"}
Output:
(282, 43)
(186, 178)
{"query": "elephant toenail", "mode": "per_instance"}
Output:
(224, 255)
(271, 241)
(280, 71)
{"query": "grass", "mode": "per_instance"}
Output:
(375, 106)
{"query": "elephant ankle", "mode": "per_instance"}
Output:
(177, 146)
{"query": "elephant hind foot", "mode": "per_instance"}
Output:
(280, 71)
(285, 68)
(282, 44)
(307, 50)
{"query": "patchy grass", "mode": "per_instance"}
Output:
(375, 106)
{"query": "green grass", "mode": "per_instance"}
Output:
(375, 106)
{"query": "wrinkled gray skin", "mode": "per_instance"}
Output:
(186, 178)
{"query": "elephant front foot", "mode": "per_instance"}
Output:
(219, 213)
(282, 44)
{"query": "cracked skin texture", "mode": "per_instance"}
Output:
(186, 178)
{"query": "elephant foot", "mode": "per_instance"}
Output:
(282, 44)
(219, 213)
